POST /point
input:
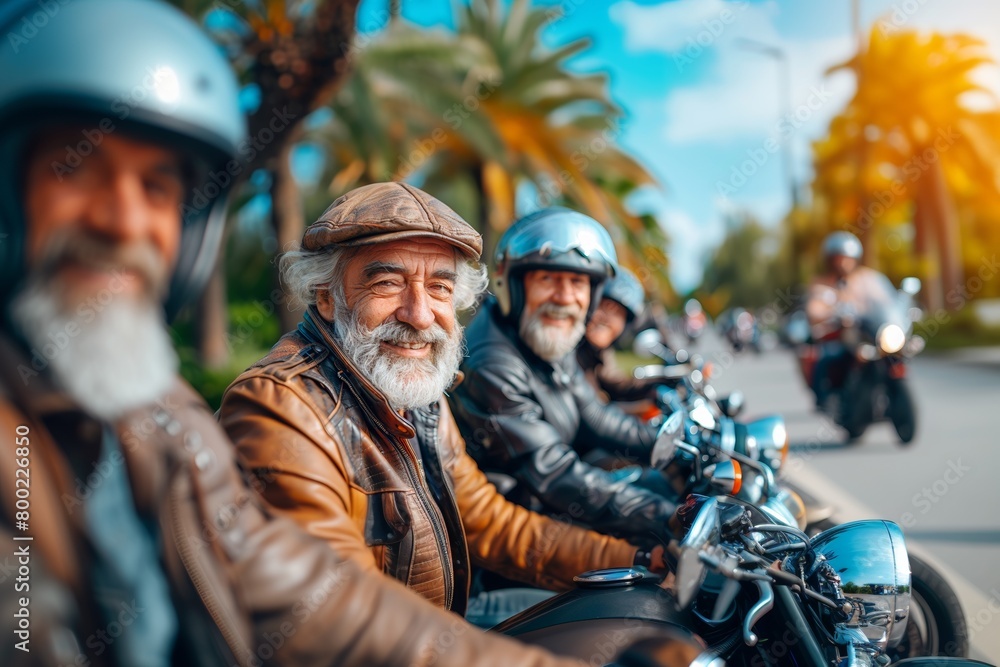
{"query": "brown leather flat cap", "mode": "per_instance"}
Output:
(383, 212)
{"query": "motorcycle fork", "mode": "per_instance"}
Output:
(791, 640)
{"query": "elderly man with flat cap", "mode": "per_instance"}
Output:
(344, 423)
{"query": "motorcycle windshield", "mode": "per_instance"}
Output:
(881, 304)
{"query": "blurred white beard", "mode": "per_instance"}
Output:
(120, 360)
(552, 343)
(407, 383)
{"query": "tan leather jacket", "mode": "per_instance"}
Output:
(397, 495)
(250, 588)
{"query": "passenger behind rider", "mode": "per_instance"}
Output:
(622, 303)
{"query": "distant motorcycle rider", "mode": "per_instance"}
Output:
(525, 408)
(834, 300)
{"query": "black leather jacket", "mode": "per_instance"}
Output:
(530, 419)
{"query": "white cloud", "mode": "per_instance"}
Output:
(672, 26)
(739, 95)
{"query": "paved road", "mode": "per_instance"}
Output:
(942, 489)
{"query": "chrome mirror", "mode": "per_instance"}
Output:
(704, 531)
(666, 441)
(732, 405)
(647, 343)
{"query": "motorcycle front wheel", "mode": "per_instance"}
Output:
(856, 398)
(902, 412)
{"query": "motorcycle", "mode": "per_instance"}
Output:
(693, 321)
(740, 329)
(688, 375)
(868, 353)
(754, 592)
(719, 456)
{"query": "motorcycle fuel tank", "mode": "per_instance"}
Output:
(608, 611)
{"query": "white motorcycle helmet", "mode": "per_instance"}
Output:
(138, 66)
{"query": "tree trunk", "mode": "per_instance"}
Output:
(288, 221)
(947, 233)
(938, 243)
(213, 321)
(296, 73)
(930, 294)
(484, 224)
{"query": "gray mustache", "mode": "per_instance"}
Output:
(399, 332)
(555, 310)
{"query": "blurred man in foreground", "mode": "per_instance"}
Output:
(128, 534)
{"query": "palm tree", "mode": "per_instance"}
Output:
(903, 148)
(294, 53)
(483, 115)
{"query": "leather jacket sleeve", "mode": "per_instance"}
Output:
(282, 442)
(607, 425)
(277, 595)
(618, 385)
(496, 403)
(508, 539)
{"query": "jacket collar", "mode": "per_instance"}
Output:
(319, 331)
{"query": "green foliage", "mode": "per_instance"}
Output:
(750, 268)
(949, 331)
(252, 333)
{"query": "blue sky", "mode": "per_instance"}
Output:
(704, 113)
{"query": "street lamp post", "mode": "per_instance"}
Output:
(780, 56)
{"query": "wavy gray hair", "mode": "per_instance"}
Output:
(306, 272)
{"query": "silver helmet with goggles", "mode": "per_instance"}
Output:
(140, 67)
(553, 239)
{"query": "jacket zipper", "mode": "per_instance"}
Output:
(433, 513)
(189, 559)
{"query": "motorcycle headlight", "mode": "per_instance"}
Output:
(772, 440)
(891, 338)
(870, 558)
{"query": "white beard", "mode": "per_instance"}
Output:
(549, 342)
(120, 360)
(407, 383)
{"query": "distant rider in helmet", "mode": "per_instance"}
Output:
(525, 407)
(835, 298)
